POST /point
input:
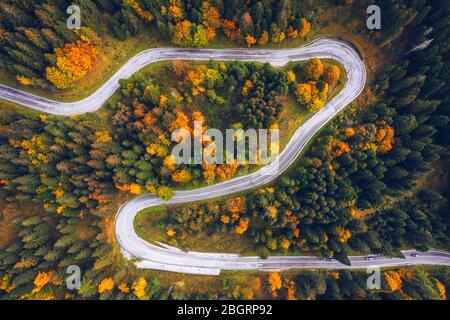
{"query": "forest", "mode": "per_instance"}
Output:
(360, 187)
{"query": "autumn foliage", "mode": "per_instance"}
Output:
(73, 61)
(275, 283)
(332, 74)
(249, 40)
(314, 69)
(144, 15)
(107, 284)
(139, 288)
(41, 280)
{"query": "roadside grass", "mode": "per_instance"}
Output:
(7, 107)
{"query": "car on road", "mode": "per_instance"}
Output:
(414, 255)
(329, 259)
(368, 258)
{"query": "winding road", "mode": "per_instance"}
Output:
(163, 257)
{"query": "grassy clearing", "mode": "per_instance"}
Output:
(221, 117)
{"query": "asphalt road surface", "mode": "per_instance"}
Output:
(163, 257)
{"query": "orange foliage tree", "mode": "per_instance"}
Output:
(337, 147)
(241, 227)
(24, 80)
(181, 176)
(393, 280)
(139, 288)
(41, 280)
(264, 38)
(73, 61)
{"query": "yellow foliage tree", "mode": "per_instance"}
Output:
(285, 243)
(139, 288)
(163, 101)
(181, 176)
(271, 212)
(349, 132)
(314, 69)
(291, 76)
(304, 93)
(211, 16)
(241, 227)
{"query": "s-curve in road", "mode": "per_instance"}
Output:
(162, 257)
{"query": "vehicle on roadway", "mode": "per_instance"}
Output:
(368, 258)
(414, 255)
